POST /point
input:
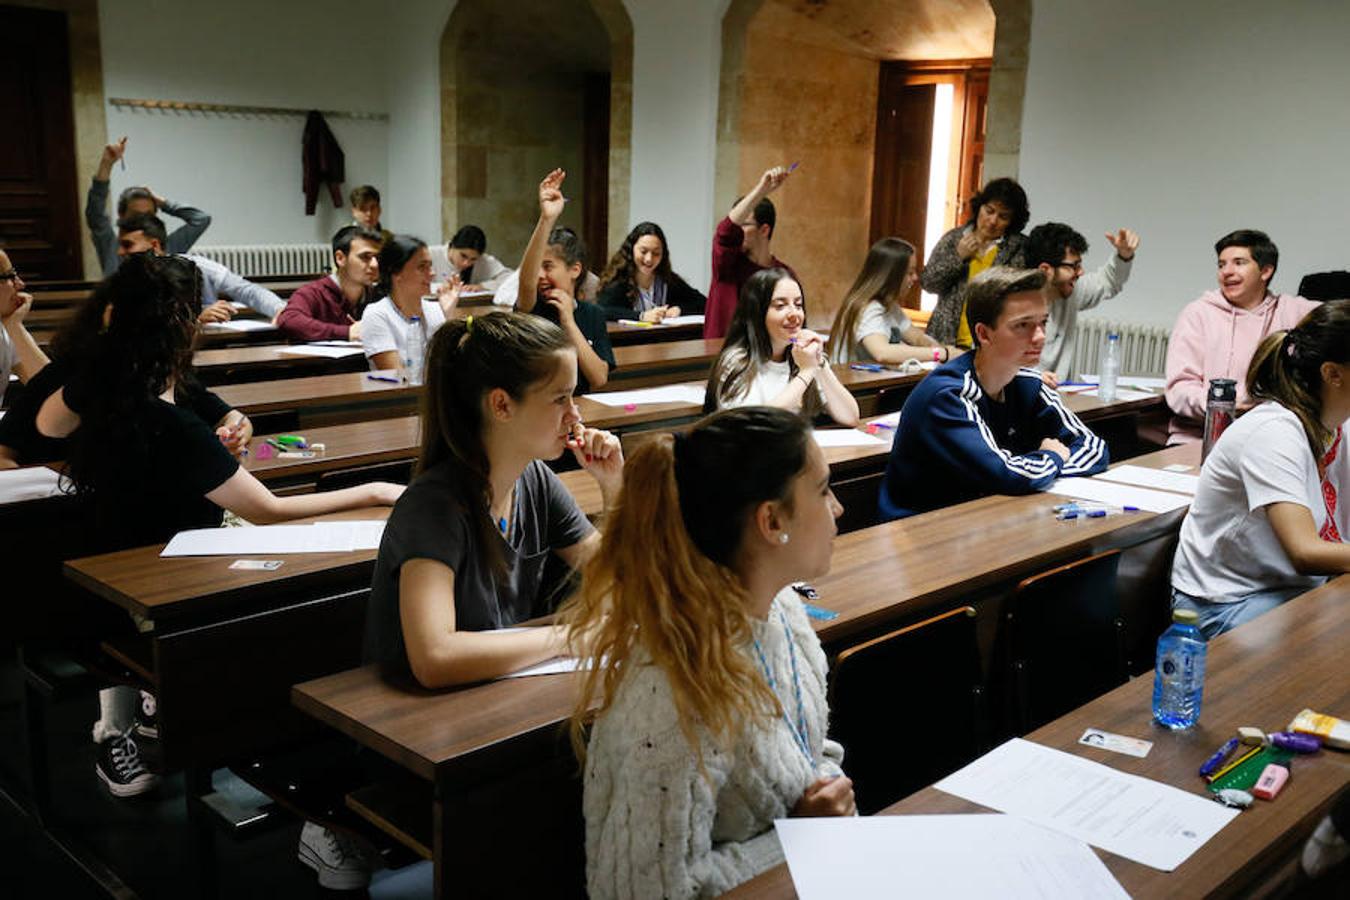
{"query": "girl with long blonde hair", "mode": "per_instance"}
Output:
(709, 680)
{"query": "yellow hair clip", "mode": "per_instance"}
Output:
(468, 324)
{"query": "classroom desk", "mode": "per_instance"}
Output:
(241, 364)
(621, 335)
(645, 364)
(1261, 674)
(457, 740)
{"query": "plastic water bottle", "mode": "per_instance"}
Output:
(414, 360)
(1110, 369)
(1220, 410)
(1179, 678)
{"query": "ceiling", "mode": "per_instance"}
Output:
(884, 29)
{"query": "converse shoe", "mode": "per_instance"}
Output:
(337, 858)
(1325, 850)
(147, 717)
(121, 769)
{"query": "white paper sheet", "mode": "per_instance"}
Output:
(319, 537)
(930, 856)
(356, 344)
(891, 420)
(671, 393)
(241, 325)
(1152, 478)
(1122, 394)
(683, 320)
(846, 437)
(1142, 382)
(556, 666)
(1113, 493)
(31, 483)
(319, 350)
(1143, 820)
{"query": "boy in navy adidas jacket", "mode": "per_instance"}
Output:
(985, 423)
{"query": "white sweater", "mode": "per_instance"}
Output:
(655, 826)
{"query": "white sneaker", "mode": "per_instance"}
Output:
(337, 858)
(1325, 850)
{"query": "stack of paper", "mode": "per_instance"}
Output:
(240, 325)
(671, 393)
(325, 351)
(846, 437)
(1111, 493)
(320, 537)
(33, 483)
(958, 856)
(1152, 478)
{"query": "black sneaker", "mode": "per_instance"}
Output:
(121, 769)
(147, 717)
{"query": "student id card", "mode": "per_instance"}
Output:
(1116, 743)
(256, 565)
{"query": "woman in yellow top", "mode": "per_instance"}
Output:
(991, 237)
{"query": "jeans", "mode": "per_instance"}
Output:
(1216, 618)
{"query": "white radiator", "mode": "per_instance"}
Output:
(256, 260)
(1143, 348)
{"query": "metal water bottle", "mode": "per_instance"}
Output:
(1220, 411)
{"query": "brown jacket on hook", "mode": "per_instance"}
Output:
(323, 162)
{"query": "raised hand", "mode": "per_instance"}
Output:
(551, 199)
(1125, 241)
(772, 180)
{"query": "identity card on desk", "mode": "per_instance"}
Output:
(930, 856)
(1137, 818)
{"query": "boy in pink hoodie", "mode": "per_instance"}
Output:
(1216, 335)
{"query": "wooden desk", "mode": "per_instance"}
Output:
(621, 335)
(1262, 674)
(460, 738)
(271, 361)
(641, 365)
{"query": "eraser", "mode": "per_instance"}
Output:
(1252, 737)
(1232, 797)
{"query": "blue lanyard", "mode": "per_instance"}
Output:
(800, 735)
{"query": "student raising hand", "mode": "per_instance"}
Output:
(1125, 241)
(551, 199)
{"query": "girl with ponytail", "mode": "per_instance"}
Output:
(465, 548)
(1269, 519)
(709, 679)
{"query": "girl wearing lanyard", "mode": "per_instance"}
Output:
(639, 281)
(709, 680)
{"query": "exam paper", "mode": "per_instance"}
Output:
(1141, 382)
(930, 856)
(240, 325)
(556, 666)
(32, 483)
(1152, 478)
(319, 350)
(671, 393)
(1143, 820)
(683, 320)
(846, 437)
(253, 540)
(1112, 493)
(1122, 394)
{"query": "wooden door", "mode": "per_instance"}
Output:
(973, 135)
(903, 153)
(39, 223)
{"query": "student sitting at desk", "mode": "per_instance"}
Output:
(550, 270)
(1269, 518)
(710, 680)
(466, 257)
(985, 423)
(145, 234)
(871, 325)
(639, 282)
(387, 326)
(328, 308)
(19, 353)
(769, 358)
(148, 467)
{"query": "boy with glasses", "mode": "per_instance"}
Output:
(1057, 251)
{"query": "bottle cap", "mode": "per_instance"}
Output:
(1222, 389)
(1185, 616)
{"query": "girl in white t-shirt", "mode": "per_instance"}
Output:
(770, 358)
(871, 325)
(1269, 517)
(409, 311)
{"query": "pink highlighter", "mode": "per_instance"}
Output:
(1271, 781)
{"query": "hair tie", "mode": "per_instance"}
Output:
(1290, 345)
(468, 324)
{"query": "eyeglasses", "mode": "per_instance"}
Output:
(1073, 266)
(11, 275)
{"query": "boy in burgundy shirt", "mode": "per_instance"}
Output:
(740, 249)
(324, 309)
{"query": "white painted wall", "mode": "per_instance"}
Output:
(246, 171)
(1187, 121)
(677, 54)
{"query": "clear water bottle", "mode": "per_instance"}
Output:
(414, 359)
(1110, 368)
(1179, 678)
(1220, 410)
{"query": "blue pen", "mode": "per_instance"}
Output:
(1078, 384)
(388, 378)
(1213, 763)
(867, 367)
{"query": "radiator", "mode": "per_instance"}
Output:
(1143, 348)
(256, 260)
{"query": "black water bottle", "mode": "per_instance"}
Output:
(1219, 411)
